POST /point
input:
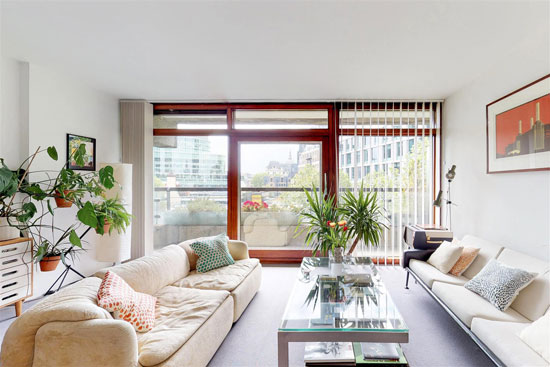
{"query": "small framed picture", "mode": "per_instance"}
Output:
(73, 142)
(518, 130)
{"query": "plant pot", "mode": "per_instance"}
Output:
(106, 227)
(8, 232)
(62, 202)
(49, 263)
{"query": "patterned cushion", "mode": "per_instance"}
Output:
(499, 284)
(213, 253)
(468, 256)
(116, 296)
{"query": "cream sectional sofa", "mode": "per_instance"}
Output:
(194, 314)
(497, 331)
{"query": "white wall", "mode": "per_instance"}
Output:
(512, 209)
(40, 108)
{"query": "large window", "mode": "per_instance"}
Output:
(190, 187)
(273, 178)
(242, 168)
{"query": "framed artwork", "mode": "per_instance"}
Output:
(518, 130)
(73, 142)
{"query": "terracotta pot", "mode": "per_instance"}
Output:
(61, 202)
(106, 227)
(49, 263)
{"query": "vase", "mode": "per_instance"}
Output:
(8, 232)
(338, 255)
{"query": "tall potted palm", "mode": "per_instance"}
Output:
(364, 215)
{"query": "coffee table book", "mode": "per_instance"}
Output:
(361, 361)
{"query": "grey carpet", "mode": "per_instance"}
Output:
(435, 339)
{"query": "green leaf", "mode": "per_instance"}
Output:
(74, 239)
(87, 215)
(106, 177)
(79, 155)
(28, 211)
(52, 152)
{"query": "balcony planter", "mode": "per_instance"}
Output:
(49, 263)
(8, 232)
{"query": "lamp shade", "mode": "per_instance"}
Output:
(437, 201)
(116, 247)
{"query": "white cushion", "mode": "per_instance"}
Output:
(488, 250)
(522, 261)
(429, 274)
(503, 340)
(445, 256)
(467, 305)
(534, 299)
(537, 336)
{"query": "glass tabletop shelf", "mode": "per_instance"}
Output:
(341, 297)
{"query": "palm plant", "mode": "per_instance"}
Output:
(365, 217)
(313, 219)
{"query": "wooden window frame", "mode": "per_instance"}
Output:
(328, 137)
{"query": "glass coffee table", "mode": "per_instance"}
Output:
(339, 303)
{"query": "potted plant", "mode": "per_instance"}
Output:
(365, 217)
(48, 254)
(105, 216)
(34, 212)
(313, 220)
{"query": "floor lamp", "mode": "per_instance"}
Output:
(116, 247)
(450, 175)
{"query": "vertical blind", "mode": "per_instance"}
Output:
(391, 148)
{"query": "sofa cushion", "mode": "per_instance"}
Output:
(534, 299)
(180, 313)
(503, 340)
(429, 274)
(213, 253)
(499, 283)
(116, 296)
(487, 251)
(467, 305)
(226, 278)
(537, 336)
(466, 259)
(149, 274)
(445, 256)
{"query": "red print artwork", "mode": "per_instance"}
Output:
(524, 129)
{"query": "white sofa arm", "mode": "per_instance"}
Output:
(238, 249)
(87, 343)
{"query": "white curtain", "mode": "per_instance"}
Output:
(393, 148)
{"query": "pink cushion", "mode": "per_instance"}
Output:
(116, 296)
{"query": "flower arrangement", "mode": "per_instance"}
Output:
(338, 234)
(254, 206)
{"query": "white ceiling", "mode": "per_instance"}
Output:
(264, 50)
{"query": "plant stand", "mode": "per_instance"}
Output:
(62, 276)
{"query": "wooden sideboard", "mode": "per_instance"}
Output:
(16, 272)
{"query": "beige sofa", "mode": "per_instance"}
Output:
(497, 330)
(194, 314)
